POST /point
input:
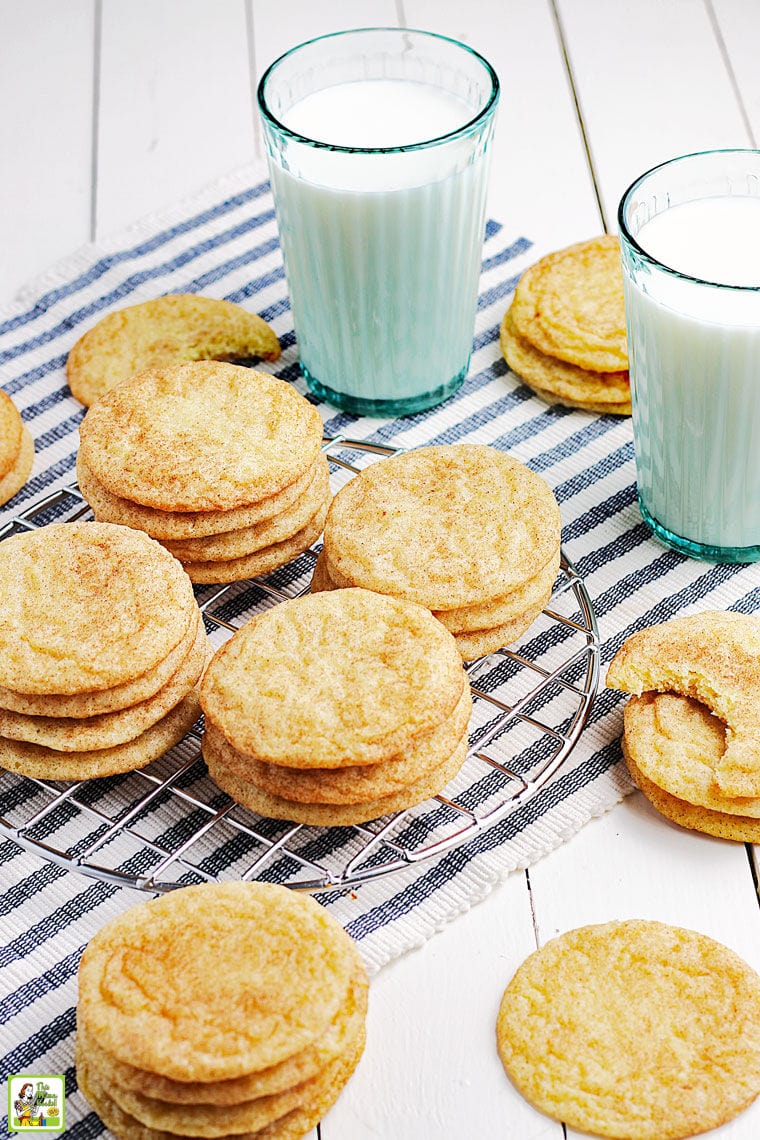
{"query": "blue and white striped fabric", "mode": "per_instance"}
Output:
(224, 243)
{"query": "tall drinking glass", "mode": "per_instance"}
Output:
(378, 145)
(690, 235)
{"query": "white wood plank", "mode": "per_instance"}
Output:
(632, 863)
(540, 181)
(652, 84)
(175, 107)
(276, 29)
(431, 1069)
(46, 82)
(738, 30)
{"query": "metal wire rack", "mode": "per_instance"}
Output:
(169, 825)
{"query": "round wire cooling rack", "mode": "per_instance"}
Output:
(168, 825)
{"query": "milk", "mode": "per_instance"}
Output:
(695, 371)
(382, 250)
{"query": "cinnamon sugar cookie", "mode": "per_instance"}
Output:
(677, 743)
(167, 330)
(713, 657)
(634, 1030)
(86, 606)
(569, 305)
(354, 784)
(334, 679)
(151, 991)
(108, 730)
(446, 527)
(344, 1029)
(558, 382)
(205, 436)
(735, 828)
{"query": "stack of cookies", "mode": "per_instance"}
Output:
(16, 449)
(221, 464)
(102, 647)
(336, 708)
(167, 330)
(692, 728)
(219, 1010)
(465, 530)
(564, 333)
(635, 1030)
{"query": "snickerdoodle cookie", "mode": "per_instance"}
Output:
(102, 647)
(167, 330)
(713, 657)
(335, 708)
(16, 449)
(220, 463)
(634, 1030)
(558, 382)
(464, 530)
(150, 988)
(570, 305)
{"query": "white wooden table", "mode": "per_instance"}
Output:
(110, 109)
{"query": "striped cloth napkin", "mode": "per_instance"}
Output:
(224, 243)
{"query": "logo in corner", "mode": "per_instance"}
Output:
(36, 1102)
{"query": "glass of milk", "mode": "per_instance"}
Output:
(377, 142)
(690, 236)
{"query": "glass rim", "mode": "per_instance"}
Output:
(626, 234)
(437, 140)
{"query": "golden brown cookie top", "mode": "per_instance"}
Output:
(444, 526)
(713, 657)
(560, 382)
(677, 743)
(634, 1030)
(570, 305)
(333, 679)
(216, 981)
(10, 433)
(167, 330)
(86, 606)
(200, 437)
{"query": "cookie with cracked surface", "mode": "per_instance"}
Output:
(558, 382)
(62, 734)
(332, 680)
(713, 657)
(676, 742)
(332, 814)
(148, 973)
(735, 828)
(166, 330)
(206, 436)
(634, 1030)
(468, 619)
(100, 701)
(87, 606)
(355, 784)
(570, 305)
(334, 1042)
(444, 526)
